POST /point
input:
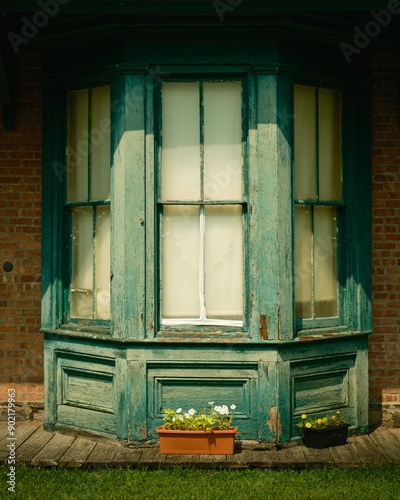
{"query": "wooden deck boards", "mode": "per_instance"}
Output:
(37, 447)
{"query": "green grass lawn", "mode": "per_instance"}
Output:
(364, 483)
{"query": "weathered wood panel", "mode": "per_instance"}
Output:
(367, 450)
(151, 458)
(82, 418)
(33, 445)
(50, 454)
(387, 446)
(345, 456)
(125, 456)
(193, 385)
(331, 387)
(52, 448)
(322, 384)
(22, 433)
(291, 457)
(77, 454)
(316, 456)
(102, 455)
(128, 214)
(396, 434)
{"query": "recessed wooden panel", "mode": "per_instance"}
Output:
(320, 391)
(91, 420)
(86, 393)
(321, 385)
(190, 385)
(197, 393)
(88, 389)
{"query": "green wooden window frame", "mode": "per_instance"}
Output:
(353, 212)
(87, 207)
(268, 207)
(319, 206)
(203, 204)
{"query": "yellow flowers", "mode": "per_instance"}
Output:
(321, 422)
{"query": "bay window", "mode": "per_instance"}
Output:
(209, 247)
(206, 234)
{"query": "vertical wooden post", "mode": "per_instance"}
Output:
(128, 201)
(272, 220)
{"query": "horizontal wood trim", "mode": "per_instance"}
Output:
(197, 6)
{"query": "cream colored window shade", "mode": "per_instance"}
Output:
(202, 203)
(88, 202)
(318, 198)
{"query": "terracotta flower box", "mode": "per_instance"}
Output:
(214, 442)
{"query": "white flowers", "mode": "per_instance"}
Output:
(219, 417)
(223, 417)
(222, 410)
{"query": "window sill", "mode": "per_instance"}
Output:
(203, 336)
(327, 333)
(80, 331)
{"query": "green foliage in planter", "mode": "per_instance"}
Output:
(219, 417)
(322, 422)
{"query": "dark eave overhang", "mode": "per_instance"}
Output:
(205, 7)
(6, 80)
(79, 22)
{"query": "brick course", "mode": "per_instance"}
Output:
(21, 343)
(384, 350)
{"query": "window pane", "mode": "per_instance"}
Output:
(303, 262)
(325, 261)
(305, 143)
(180, 141)
(78, 147)
(82, 263)
(224, 262)
(180, 262)
(223, 141)
(102, 309)
(330, 151)
(100, 144)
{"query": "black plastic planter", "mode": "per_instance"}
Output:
(325, 438)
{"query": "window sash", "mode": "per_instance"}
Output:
(319, 206)
(212, 190)
(88, 205)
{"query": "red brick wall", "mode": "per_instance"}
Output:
(384, 355)
(21, 343)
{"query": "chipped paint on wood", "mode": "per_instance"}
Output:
(263, 327)
(274, 423)
(279, 322)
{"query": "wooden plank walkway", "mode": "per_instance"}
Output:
(37, 447)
